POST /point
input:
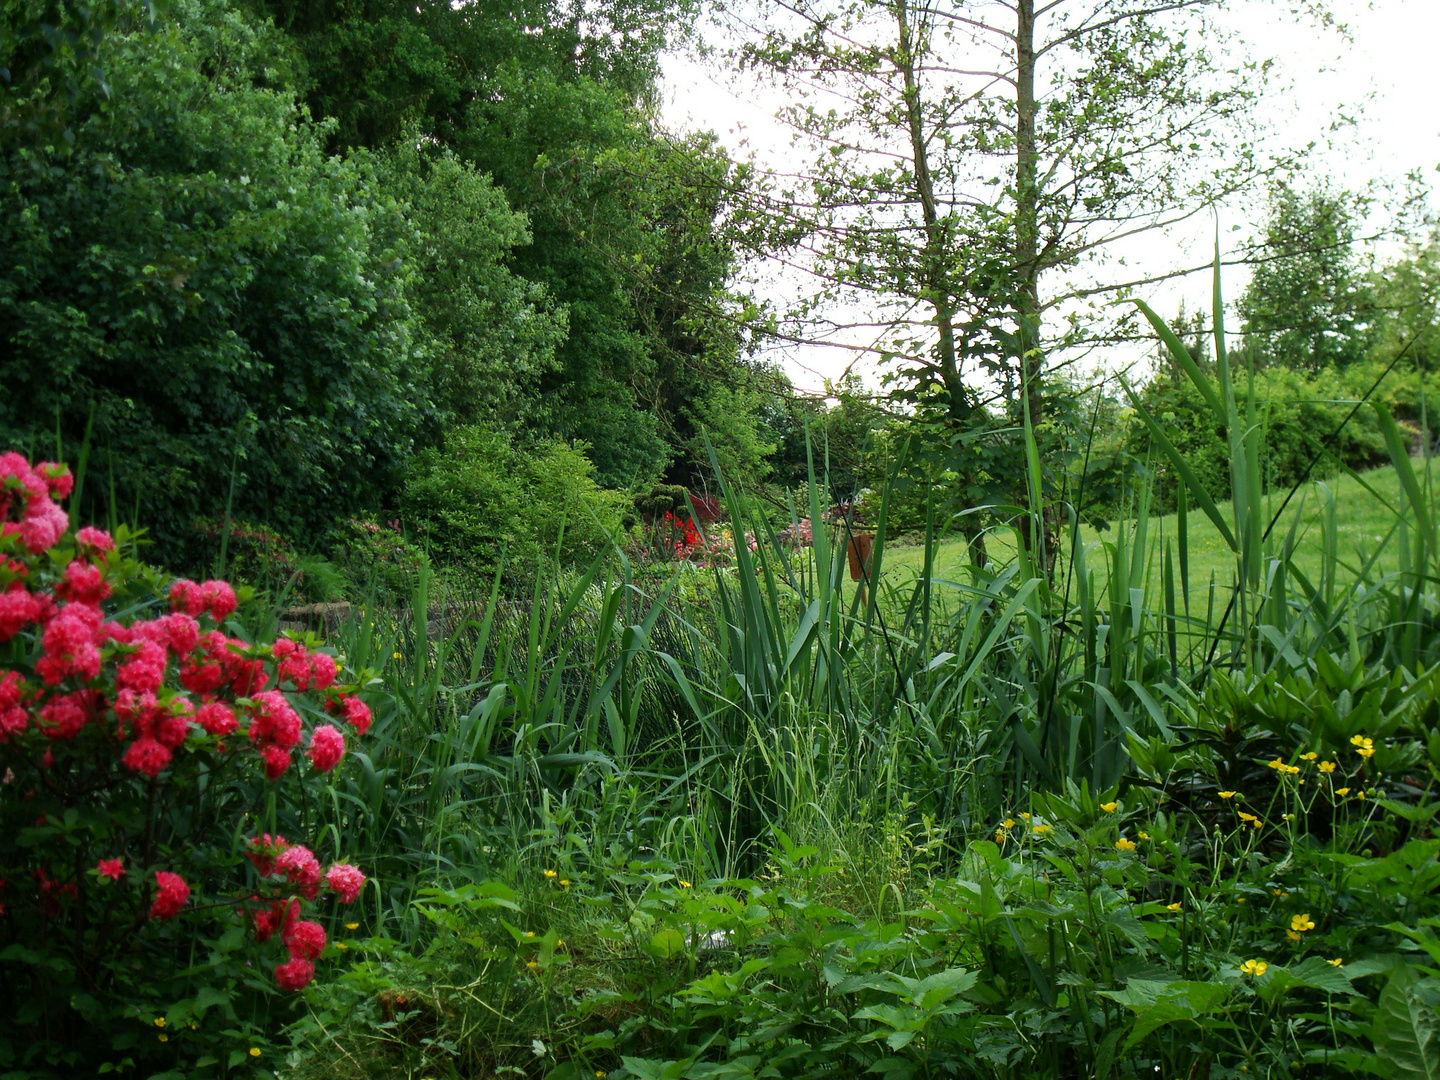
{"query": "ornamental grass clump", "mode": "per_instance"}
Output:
(147, 753)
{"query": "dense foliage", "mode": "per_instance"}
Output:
(197, 286)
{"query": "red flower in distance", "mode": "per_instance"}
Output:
(111, 868)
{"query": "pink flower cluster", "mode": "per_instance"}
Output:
(293, 869)
(135, 696)
(170, 896)
(27, 496)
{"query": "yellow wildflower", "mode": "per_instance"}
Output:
(1250, 819)
(1342, 791)
(683, 884)
(341, 945)
(564, 881)
(1109, 807)
(1008, 823)
(1143, 835)
(1302, 922)
(1292, 935)
(254, 1051)
(159, 1021)
(1254, 967)
(550, 873)
(531, 964)
(999, 836)
(352, 926)
(1311, 756)
(1276, 764)
(1024, 816)
(1174, 907)
(163, 1037)
(1124, 845)
(1326, 766)
(1040, 829)
(1360, 794)
(395, 656)
(1336, 962)
(1228, 794)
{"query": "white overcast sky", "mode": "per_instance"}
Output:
(1387, 77)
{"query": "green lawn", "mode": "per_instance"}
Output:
(1364, 519)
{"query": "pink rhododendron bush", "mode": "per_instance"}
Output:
(150, 761)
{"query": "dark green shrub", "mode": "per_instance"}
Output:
(1297, 413)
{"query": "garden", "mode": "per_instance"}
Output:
(439, 641)
(704, 808)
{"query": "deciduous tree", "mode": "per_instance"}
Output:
(971, 158)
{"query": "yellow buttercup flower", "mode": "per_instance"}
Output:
(159, 1021)
(1302, 922)
(395, 656)
(1292, 935)
(1342, 791)
(999, 836)
(1008, 823)
(352, 926)
(1311, 756)
(1124, 845)
(341, 945)
(1109, 807)
(1040, 829)
(1250, 819)
(564, 881)
(1174, 907)
(1336, 962)
(1276, 764)
(1143, 835)
(1326, 766)
(1228, 794)
(1254, 967)
(531, 964)
(683, 884)
(254, 1051)
(550, 873)
(1024, 816)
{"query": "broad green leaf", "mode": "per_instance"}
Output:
(1404, 1033)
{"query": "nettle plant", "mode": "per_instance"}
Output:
(151, 916)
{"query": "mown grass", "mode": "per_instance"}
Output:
(1368, 505)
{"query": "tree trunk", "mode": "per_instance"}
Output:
(1027, 257)
(936, 275)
